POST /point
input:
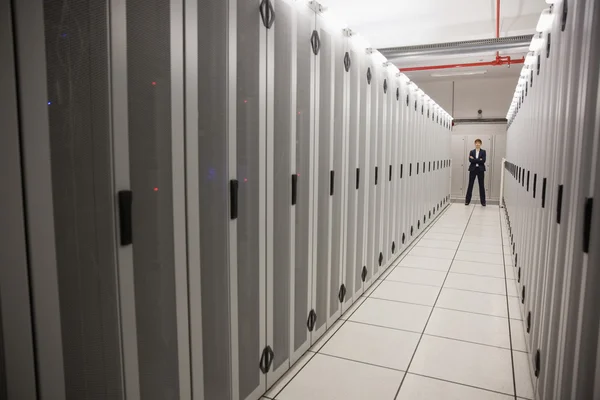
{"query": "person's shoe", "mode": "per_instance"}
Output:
(483, 205)
(466, 204)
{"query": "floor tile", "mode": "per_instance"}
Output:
(518, 335)
(385, 273)
(433, 253)
(480, 239)
(482, 303)
(450, 229)
(407, 293)
(348, 380)
(443, 236)
(523, 375)
(378, 346)
(392, 314)
(514, 306)
(357, 303)
(470, 364)
(437, 264)
(327, 335)
(371, 288)
(477, 268)
(487, 258)
(512, 288)
(482, 248)
(437, 244)
(417, 275)
(485, 222)
(476, 328)
(416, 387)
(510, 273)
(285, 379)
(487, 231)
(483, 284)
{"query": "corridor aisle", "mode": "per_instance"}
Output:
(442, 323)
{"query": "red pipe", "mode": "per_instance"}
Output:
(497, 23)
(497, 19)
(495, 63)
(500, 60)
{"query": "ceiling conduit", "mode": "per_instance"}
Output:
(498, 44)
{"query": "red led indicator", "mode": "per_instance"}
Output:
(245, 179)
(156, 189)
(245, 101)
(153, 83)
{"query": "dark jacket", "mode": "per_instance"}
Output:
(473, 161)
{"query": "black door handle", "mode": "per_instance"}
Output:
(125, 222)
(233, 196)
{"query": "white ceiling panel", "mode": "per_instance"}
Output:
(391, 23)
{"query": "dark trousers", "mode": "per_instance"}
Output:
(479, 174)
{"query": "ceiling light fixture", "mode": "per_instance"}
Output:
(459, 73)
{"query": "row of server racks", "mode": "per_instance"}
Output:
(553, 164)
(193, 192)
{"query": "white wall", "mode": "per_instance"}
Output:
(463, 97)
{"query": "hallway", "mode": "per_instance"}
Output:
(447, 312)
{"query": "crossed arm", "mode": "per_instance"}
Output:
(481, 159)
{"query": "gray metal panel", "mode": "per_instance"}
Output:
(151, 173)
(325, 101)
(304, 146)
(249, 289)
(280, 58)
(17, 369)
(218, 13)
(35, 135)
(120, 155)
(338, 155)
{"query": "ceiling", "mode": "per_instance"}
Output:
(396, 23)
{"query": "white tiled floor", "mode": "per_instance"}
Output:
(435, 326)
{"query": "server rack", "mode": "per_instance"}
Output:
(207, 188)
(550, 200)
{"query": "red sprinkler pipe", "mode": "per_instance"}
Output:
(500, 60)
(497, 23)
(497, 19)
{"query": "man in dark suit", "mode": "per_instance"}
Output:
(476, 169)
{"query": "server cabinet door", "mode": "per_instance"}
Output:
(413, 161)
(364, 172)
(386, 219)
(373, 139)
(325, 174)
(62, 49)
(210, 170)
(403, 231)
(157, 195)
(380, 188)
(305, 229)
(17, 363)
(393, 178)
(353, 248)
(338, 155)
(249, 276)
(281, 133)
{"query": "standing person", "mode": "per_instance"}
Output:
(476, 169)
